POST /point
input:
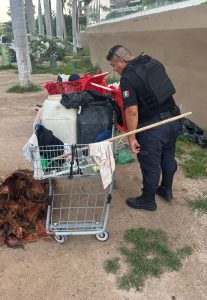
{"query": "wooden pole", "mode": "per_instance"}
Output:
(136, 131)
(149, 127)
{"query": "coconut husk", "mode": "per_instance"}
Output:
(23, 208)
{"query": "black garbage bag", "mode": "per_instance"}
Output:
(92, 121)
(91, 98)
(193, 132)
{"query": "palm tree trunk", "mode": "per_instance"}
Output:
(77, 26)
(29, 7)
(48, 19)
(40, 23)
(64, 26)
(21, 42)
(64, 29)
(74, 25)
(59, 19)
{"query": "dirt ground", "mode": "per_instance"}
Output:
(74, 270)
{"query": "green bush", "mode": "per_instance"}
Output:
(42, 48)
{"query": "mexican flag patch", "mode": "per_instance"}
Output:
(126, 94)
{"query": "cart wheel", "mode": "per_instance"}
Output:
(59, 238)
(102, 236)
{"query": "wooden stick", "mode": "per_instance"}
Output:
(136, 131)
(149, 127)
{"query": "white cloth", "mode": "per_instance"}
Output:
(103, 155)
(33, 155)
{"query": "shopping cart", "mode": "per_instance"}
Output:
(117, 96)
(83, 83)
(77, 201)
(88, 82)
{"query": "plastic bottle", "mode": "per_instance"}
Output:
(60, 120)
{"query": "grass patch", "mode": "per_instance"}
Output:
(110, 79)
(185, 251)
(85, 67)
(182, 146)
(112, 265)
(20, 90)
(196, 165)
(63, 69)
(199, 204)
(147, 254)
(9, 67)
(84, 52)
(193, 158)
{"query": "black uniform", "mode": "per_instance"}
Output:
(157, 145)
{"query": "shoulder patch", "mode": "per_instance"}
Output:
(125, 94)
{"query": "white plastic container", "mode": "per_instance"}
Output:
(60, 120)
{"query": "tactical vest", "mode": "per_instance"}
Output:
(154, 86)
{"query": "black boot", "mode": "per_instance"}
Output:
(165, 193)
(142, 202)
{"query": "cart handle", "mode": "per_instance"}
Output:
(102, 87)
(97, 75)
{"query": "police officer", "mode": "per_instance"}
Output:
(148, 98)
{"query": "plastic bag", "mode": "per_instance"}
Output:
(124, 156)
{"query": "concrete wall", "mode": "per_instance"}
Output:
(178, 38)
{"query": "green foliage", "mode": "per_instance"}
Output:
(200, 203)
(19, 89)
(62, 69)
(84, 67)
(42, 48)
(193, 158)
(6, 30)
(55, 47)
(147, 253)
(38, 47)
(84, 52)
(9, 67)
(110, 79)
(112, 265)
(68, 25)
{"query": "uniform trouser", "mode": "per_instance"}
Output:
(157, 154)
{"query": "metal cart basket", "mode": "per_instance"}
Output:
(77, 202)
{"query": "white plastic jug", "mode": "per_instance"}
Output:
(60, 120)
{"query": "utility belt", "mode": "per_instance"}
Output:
(173, 112)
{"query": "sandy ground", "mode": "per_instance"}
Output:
(74, 270)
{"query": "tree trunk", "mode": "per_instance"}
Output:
(77, 26)
(40, 23)
(48, 19)
(74, 25)
(21, 42)
(59, 19)
(64, 26)
(29, 7)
